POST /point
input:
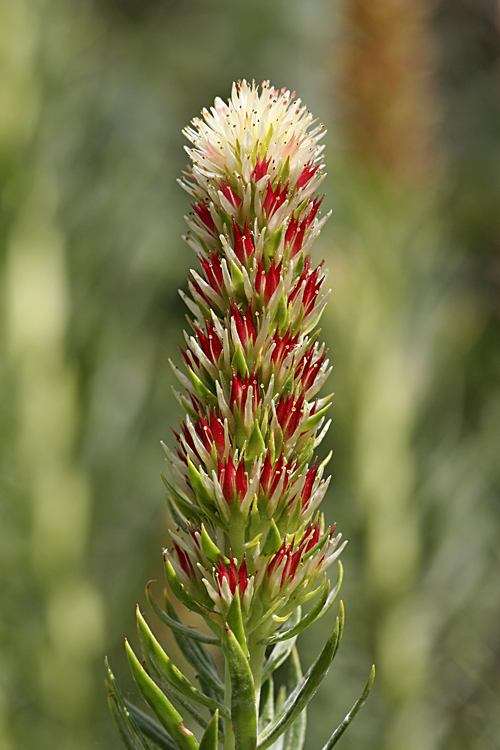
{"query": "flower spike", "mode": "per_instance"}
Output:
(251, 546)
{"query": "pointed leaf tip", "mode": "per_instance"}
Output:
(352, 713)
(169, 718)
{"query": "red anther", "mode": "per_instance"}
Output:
(314, 539)
(213, 272)
(216, 265)
(260, 169)
(206, 433)
(233, 573)
(260, 278)
(283, 411)
(222, 572)
(281, 197)
(228, 191)
(310, 477)
(314, 210)
(295, 418)
(227, 480)
(251, 332)
(215, 345)
(238, 243)
(269, 199)
(291, 230)
(306, 175)
(242, 577)
(299, 239)
(185, 357)
(272, 280)
(185, 562)
(249, 246)
(276, 559)
(293, 565)
(218, 433)
(279, 468)
(274, 198)
(236, 391)
(241, 480)
(266, 474)
(311, 289)
(283, 346)
(204, 343)
(204, 213)
(311, 373)
(286, 569)
(187, 437)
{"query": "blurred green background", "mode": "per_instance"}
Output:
(93, 96)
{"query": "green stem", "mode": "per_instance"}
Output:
(256, 656)
(228, 725)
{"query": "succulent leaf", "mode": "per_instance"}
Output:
(296, 735)
(209, 741)
(151, 729)
(169, 718)
(352, 713)
(163, 665)
(131, 739)
(176, 625)
(300, 697)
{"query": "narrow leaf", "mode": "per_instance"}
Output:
(158, 659)
(151, 729)
(305, 690)
(131, 739)
(177, 588)
(174, 499)
(235, 621)
(198, 656)
(281, 651)
(176, 625)
(126, 725)
(210, 550)
(315, 419)
(209, 739)
(202, 390)
(169, 718)
(320, 608)
(202, 494)
(352, 713)
(266, 708)
(243, 713)
(296, 735)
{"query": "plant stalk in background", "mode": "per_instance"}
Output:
(250, 546)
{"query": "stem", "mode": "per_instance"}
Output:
(228, 724)
(256, 653)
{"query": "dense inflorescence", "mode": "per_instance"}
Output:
(243, 465)
(250, 545)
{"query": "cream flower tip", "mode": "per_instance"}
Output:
(255, 125)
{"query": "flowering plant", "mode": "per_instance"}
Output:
(250, 546)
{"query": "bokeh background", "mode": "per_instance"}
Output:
(93, 96)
